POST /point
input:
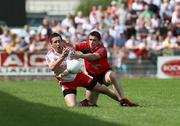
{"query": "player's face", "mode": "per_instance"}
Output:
(93, 42)
(57, 44)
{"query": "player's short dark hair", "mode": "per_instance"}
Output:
(55, 34)
(96, 34)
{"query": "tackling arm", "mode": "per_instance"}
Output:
(88, 56)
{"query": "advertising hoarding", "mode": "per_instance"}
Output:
(24, 64)
(168, 67)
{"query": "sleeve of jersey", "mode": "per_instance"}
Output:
(80, 47)
(49, 60)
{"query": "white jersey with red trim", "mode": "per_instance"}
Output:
(51, 57)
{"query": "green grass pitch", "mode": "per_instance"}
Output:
(40, 103)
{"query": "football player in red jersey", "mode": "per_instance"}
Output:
(96, 63)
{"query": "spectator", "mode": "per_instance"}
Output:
(176, 19)
(120, 4)
(137, 5)
(154, 5)
(12, 46)
(26, 33)
(147, 14)
(99, 14)
(130, 46)
(120, 40)
(141, 50)
(79, 18)
(32, 43)
(114, 8)
(87, 26)
(45, 27)
(131, 43)
(108, 40)
(165, 11)
(93, 15)
(155, 21)
(5, 38)
(169, 41)
(56, 26)
(155, 47)
(130, 26)
(122, 13)
(142, 32)
(22, 45)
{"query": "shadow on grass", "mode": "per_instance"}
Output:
(16, 112)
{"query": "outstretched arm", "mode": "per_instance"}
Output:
(88, 56)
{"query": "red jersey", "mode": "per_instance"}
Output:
(98, 66)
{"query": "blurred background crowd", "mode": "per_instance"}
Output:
(132, 30)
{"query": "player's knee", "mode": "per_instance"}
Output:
(71, 105)
(112, 75)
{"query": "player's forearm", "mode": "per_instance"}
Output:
(61, 75)
(65, 73)
(90, 56)
(57, 63)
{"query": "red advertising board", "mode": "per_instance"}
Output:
(171, 68)
(13, 60)
(23, 64)
(37, 60)
(168, 67)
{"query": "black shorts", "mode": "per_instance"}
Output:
(100, 78)
(74, 91)
(69, 91)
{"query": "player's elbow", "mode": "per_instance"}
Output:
(52, 67)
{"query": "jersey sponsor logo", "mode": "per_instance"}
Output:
(171, 68)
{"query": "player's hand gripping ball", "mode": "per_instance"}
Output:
(74, 66)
